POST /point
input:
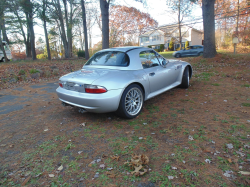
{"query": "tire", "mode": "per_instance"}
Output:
(3, 60)
(131, 102)
(185, 79)
(178, 55)
(200, 54)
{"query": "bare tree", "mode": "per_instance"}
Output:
(59, 15)
(85, 29)
(44, 17)
(183, 9)
(28, 8)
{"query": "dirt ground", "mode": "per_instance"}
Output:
(198, 136)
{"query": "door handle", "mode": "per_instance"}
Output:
(152, 74)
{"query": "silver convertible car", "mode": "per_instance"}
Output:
(121, 79)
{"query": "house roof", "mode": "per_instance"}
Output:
(151, 32)
(197, 30)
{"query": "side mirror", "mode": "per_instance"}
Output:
(164, 63)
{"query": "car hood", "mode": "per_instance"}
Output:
(85, 76)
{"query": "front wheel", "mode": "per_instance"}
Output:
(131, 102)
(185, 78)
(200, 54)
(178, 55)
(4, 60)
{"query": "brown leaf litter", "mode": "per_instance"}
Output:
(138, 162)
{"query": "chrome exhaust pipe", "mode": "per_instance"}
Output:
(82, 110)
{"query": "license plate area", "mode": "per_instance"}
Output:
(70, 85)
(75, 87)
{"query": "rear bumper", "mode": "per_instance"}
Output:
(98, 103)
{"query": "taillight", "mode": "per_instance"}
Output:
(61, 84)
(94, 89)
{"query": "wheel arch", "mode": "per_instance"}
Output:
(139, 84)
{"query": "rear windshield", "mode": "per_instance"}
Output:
(109, 58)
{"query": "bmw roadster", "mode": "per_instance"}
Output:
(121, 79)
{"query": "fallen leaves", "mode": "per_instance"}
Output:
(102, 166)
(51, 175)
(244, 172)
(26, 181)
(111, 175)
(60, 168)
(82, 124)
(115, 158)
(104, 156)
(137, 162)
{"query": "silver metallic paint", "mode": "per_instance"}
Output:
(116, 79)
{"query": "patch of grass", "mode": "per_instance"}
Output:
(21, 72)
(215, 118)
(32, 71)
(216, 84)
(205, 76)
(167, 54)
(69, 146)
(246, 85)
(246, 104)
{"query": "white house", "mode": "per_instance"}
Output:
(164, 34)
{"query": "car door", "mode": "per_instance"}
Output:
(171, 71)
(194, 51)
(187, 51)
(153, 69)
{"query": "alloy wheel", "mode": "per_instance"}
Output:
(133, 101)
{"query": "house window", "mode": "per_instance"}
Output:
(144, 39)
(156, 38)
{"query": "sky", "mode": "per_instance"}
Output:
(158, 10)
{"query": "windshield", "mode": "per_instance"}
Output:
(109, 58)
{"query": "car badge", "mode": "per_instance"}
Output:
(86, 71)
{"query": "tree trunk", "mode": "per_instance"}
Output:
(28, 45)
(85, 30)
(63, 34)
(179, 23)
(5, 37)
(23, 33)
(45, 28)
(68, 26)
(70, 38)
(31, 28)
(1, 43)
(104, 5)
(46, 39)
(32, 38)
(209, 28)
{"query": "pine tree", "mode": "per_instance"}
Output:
(171, 45)
(186, 44)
